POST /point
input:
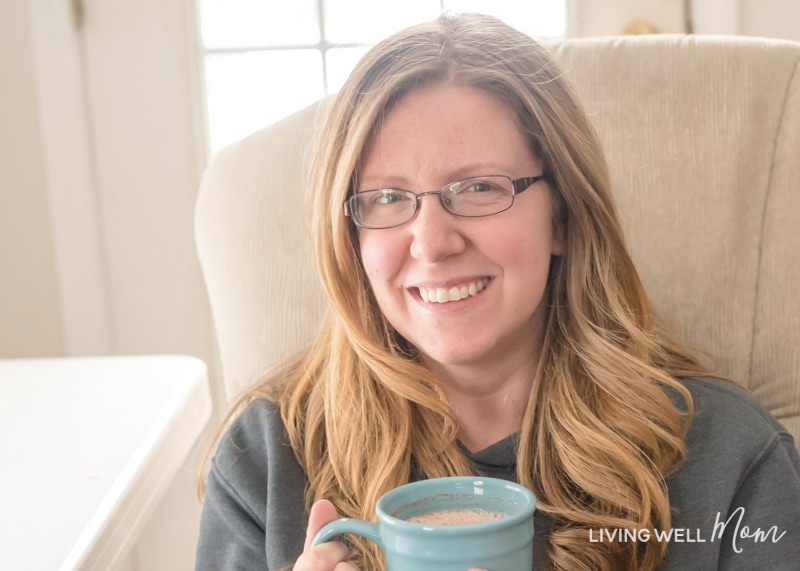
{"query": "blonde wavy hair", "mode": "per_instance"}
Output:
(600, 432)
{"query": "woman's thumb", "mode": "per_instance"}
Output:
(322, 512)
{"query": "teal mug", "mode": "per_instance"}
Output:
(449, 524)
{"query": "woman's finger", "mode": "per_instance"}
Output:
(322, 512)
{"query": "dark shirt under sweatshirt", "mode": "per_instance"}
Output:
(741, 469)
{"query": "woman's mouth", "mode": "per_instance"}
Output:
(456, 293)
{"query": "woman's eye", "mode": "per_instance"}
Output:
(480, 186)
(389, 197)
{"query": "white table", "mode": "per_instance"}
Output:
(87, 448)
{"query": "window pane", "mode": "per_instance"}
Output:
(538, 18)
(367, 21)
(249, 23)
(247, 91)
(340, 62)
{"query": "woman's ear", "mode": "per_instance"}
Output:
(559, 220)
(559, 237)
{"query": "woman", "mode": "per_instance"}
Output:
(491, 325)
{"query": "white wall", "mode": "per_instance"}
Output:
(30, 315)
(609, 17)
(772, 18)
(769, 18)
(101, 152)
(142, 88)
(143, 132)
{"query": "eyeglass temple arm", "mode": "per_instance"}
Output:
(522, 184)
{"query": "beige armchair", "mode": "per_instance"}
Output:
(703, 139)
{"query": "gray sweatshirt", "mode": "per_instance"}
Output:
(736, 501)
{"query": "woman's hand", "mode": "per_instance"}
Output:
(329, 556)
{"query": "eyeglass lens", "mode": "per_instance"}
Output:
(480, 196)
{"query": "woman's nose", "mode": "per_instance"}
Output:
(436, 233)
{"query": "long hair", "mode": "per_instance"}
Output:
(601, 429)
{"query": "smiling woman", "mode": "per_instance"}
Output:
(502, 253)
(510, 339)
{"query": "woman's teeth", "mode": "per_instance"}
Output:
(443, 295)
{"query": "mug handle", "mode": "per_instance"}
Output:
(365, 529)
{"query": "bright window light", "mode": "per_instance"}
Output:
(540, 19)
(375, 20)
(258, 23)
(248, 90)
(266, 59)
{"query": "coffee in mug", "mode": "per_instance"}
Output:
(488, 523)
(456, 517)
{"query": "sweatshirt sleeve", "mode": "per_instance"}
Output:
(762, 527)
(232, 535)
(253, 516)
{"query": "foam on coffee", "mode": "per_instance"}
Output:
(456, 517)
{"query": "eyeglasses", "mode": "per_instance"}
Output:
(472, 198)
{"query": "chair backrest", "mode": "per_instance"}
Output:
(702, 135)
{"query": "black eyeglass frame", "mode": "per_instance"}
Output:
(518, 186)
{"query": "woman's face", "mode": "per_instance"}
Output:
(499, 264)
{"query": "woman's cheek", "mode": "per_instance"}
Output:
(382, 258)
